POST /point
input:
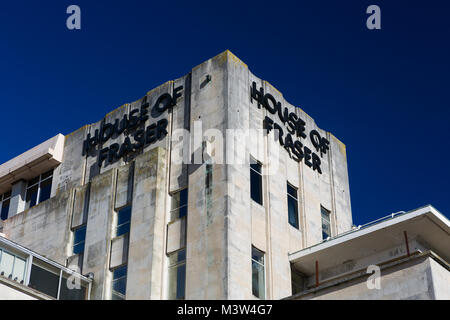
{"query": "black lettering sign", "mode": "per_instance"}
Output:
(131, 123)
(295, 127)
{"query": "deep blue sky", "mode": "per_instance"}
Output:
(384, 93)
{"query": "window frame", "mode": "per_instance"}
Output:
(263, 264)
(289, 196)
(327, 213)
(84, 239)
(39, 188)
(116, 293)
(254, 161)
(5, 196)
(175, 266)
(172, 210)
(117, 212)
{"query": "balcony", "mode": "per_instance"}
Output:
(26, 275)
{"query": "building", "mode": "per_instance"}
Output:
(183, 194)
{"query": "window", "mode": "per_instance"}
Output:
(119, 283)
(44, 278)
(79, 238)
(4, 201)
(255, 181)
(56, 283)
(258, 276)
(38, 189)
(123, 221)
(326, 228)
(69, 290)
(292, 206)
(177, 275)
(179, 205)
(12, 266)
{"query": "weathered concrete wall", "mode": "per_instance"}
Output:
(98, 232)
(147, 236)
(206, 267)
(8, 293)
(266, 227)
(441, 280)
(44, 228)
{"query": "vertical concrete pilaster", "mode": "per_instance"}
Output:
(147, 236)
(17, 202)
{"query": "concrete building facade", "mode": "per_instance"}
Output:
(182, 194)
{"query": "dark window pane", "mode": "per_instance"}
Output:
(6, 195)
(31, 197)
(183, 197)
(292, 191)
(47, 174)
(256, 167)
(119, 284)
(122, 229)
(44, 281)
(120, 272)
(79, 240)
(80, 235)
(46, 188)
(69, 290)
(177, 282)
(182, 212)
(78, 248)
(181, 281)
(5, 210)
(257, 255)
(33, 181)
(124, 215)
(256, 187)
(293, 212)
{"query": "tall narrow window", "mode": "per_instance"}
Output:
(119, 283)
(177, 275)
(258, 275)
(123, 221)
(256, 181)
(326, 227)
(4, 200)
(79, 238)
(38, 189)
(292, 205)
(179, 205)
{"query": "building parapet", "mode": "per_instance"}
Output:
(33, 162)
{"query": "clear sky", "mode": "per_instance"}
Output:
(384, 93)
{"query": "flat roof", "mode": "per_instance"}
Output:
(33, 162)
(426, 223)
